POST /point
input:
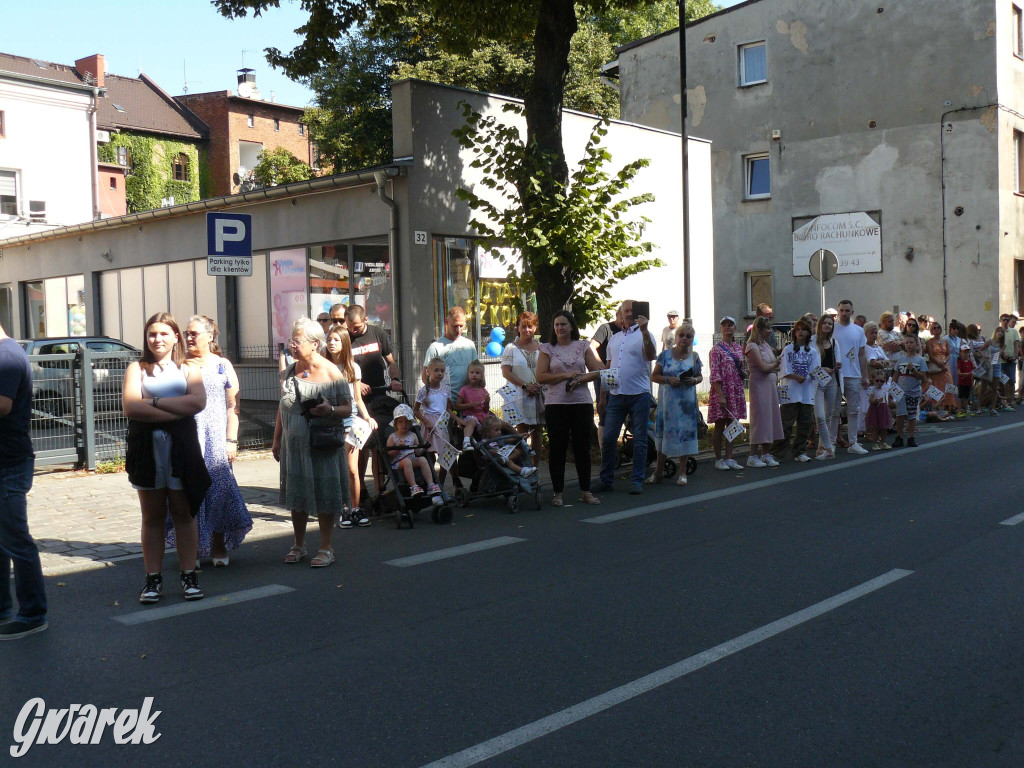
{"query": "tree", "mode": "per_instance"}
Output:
(279, 166)
(584, 231)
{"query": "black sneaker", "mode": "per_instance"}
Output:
(359, 517)
(345, 519)
(911, 442)
(154, 588)
(17, 629)
(898, 442)
(190, 584)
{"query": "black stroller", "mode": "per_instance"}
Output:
(491, 478)
(393, 493)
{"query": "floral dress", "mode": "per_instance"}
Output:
(223, 510)
(938, 355)
(725, 369)
(675, 427)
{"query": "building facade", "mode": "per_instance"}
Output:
(242, 126)
(889, 133)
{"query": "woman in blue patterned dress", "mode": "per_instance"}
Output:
(677, 373)
(223, 520)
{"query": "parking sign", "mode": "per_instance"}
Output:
(229, 244)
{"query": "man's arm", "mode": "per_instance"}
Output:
(6, 404)
(862, 357)
(394, 373)
(650, 349)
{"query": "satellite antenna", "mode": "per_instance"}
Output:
(184, 71)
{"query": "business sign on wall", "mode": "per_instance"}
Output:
(855, 239)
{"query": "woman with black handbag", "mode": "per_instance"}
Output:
(315, 401)
(728, 400)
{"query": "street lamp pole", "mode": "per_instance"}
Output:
(686, 162)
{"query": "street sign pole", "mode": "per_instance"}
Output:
(823, 266)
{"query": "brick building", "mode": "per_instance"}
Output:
(241, 126)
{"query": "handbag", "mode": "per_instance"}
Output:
(325, 434)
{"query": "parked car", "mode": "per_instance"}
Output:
(53, 380)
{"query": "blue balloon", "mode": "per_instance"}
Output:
(498, 335)
(494, 349)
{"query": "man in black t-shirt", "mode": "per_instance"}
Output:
(17, 462)
(371, 350)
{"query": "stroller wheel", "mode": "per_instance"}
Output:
(691, 465)
(442, 515)
(461, 497)
(433, 514)
(513, 503)
(537, 498)
(670, 469)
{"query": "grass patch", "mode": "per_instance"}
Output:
(110, 466)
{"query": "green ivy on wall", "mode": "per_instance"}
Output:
(150, 176)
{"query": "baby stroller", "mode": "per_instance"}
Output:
(624, 458)
(490, 477)
(393, 493)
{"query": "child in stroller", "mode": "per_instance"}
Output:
(412, 457)
(491, 431)
(501, 464)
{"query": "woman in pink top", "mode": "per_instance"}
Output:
(565, 365)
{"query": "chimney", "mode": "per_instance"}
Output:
(92, 69)
(247, 87)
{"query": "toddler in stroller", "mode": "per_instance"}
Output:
(501, 464)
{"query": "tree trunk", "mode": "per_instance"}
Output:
(556, 24)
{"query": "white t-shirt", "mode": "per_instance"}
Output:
(626, 352)
(800, 361)
(457, 356)
(847, 338)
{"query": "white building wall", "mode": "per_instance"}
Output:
(48, 143)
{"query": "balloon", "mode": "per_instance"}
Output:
(494, 349)
(498, 335)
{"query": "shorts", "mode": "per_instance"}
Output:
(964, 391)
(162, 460)
(908, 406)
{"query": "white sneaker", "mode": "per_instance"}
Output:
(769, 461)
(755, 461)
(527, 471)
(856, 448)
(722, 464)
(802, 458)
(733, 464)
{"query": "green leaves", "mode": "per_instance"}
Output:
(279, 166)
(577, 241)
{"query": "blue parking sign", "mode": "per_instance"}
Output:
(229, 234)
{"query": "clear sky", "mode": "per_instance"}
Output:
(168, 39)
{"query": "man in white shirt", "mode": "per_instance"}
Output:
(630, 353)
(850, 341)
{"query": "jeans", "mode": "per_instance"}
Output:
(16, 544)
(639, 409)
(826, 411)
(851, 391)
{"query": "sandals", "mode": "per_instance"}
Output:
(653, 479)
(588, 498)
(324, 557)
(557, 500)
(681, 480)
(295, 554)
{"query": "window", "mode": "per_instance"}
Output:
(753, 64)
(1018, 162)
(757, 182)
(1018, 32)
(124, 157)
(113, 182)
(277, 124)
(302, 128)
(8, 193)
(251, 121)
(181, 167)
(37, 210)
(3, 125)
(759, 289)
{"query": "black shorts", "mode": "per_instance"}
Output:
(964, 391)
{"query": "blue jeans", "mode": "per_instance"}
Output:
(17, 544)
(639, 409)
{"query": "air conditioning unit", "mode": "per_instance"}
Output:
(102, 137)
(37, 210)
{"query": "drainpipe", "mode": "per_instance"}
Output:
(94, 156)
(381, 179)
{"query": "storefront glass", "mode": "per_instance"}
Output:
(55, 307)
(287, 293)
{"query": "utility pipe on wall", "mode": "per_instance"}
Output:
(389, 201)
(94, 156)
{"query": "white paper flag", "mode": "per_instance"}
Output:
(933, 393)
(359, 433)
(820, 374)
(733, 430)
(511, 413)
(896, 391)
(1003, 378)
(505, 451)
(951, 389)
(510, 392)
(610, 377)
(851, 354)
(441, 425)
(448, 456)
(783, 393)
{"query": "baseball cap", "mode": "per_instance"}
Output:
(965, 348)
(831, 311)
(727, 319)
(673, 313)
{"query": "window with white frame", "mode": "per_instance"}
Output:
(1018, 32)
(753, 64)
(1018, 162)
(8, 193)
(757, 182)
(759, 289)
(250, 121)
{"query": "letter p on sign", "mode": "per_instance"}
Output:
(229, 234)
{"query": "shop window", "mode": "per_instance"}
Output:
(753, 64)
(287, 293)
(8, 193)
(55, 307)
(371, 280)
(759, 289)
(328, 277)
(181, 170)
(757, 177)
(477, 281)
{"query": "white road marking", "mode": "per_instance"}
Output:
(1014, 520)
(210, 601)
(686, 501)
(444, 554)
(585, 709)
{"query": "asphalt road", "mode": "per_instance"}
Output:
(862, 612)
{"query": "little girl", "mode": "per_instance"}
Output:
(432, 402)
(492, 428)
(474, 401)
(964, 379)
(411, 457)
(879, 417)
